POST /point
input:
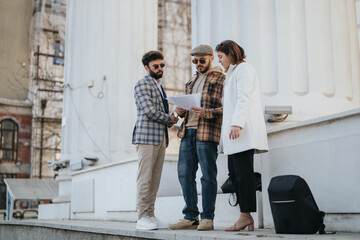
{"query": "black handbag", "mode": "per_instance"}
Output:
(228, 186)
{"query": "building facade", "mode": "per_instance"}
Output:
(31, 76)
(306, 54)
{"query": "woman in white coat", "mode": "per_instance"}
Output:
(243, 131)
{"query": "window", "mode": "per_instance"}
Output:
(8, 139)
(59, 51)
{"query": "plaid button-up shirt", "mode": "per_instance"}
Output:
(208, 128)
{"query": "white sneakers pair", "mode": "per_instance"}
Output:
(150, 223)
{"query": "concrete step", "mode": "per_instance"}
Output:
(111, 230)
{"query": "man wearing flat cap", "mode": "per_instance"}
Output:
(200, 136)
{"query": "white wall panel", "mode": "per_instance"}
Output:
(82, 196)
(322, 151)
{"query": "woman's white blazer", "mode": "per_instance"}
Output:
(242, 107)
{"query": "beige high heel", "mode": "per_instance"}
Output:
(243, 222)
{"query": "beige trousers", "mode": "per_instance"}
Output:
(150, 164)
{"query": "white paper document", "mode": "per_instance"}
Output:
(186, 101)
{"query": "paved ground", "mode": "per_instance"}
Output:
(128, 229)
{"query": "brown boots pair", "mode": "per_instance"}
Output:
(203, 225)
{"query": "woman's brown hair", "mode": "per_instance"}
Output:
(233, 50)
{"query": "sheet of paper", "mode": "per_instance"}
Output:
(186, 101)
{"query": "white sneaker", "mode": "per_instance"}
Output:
(159, 223)
(146, 223)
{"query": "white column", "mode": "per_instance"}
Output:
(354, 27)
(300, 83)
(305, 52)
(104, 45)
(268, 49)
(320, 47)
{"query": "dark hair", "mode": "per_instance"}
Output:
(233, 50)
(151, 56)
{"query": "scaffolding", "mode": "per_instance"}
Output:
(174, 40)
(46, 88)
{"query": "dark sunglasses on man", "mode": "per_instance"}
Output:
(156, 66)
(195, 61)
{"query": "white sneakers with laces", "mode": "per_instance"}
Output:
(146, 223)
(150, 223)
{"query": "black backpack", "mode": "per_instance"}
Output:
(293, 206)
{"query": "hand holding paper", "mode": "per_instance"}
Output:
(200, 112)
(179, 111)
(186, 101)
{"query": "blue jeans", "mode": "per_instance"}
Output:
(192, 153)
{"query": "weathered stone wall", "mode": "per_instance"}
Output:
(174, 36)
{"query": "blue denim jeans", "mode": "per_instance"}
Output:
(192, 153)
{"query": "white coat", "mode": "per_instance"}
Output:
(242, 107)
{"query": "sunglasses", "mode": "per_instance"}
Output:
(156, 66)
(195, 61)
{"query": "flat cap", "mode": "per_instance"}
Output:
(202, 50)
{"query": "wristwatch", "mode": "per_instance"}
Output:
(205, 115)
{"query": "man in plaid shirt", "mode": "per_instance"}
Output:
(200, 134)
(151, 138)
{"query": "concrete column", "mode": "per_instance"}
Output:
(104, 45)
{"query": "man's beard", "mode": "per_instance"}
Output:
(206, 68)
(154, 75)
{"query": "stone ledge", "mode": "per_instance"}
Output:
(109, 165)
(14, 102)
(282, 126)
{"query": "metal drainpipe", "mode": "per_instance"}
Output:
(43, 106)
